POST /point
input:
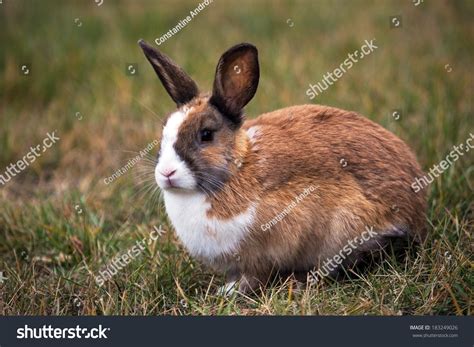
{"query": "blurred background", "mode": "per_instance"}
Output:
(59, 221)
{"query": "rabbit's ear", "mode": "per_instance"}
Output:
(236, 81)
(177, 83)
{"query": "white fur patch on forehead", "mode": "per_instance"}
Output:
(171, 129)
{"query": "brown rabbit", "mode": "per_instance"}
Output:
(285, 191)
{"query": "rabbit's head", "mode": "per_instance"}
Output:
(201, 140)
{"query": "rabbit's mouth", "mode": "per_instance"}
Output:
(180, 178)
(170, 183)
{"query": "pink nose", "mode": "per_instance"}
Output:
(168, 173)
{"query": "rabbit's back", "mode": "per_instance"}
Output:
(361, 175)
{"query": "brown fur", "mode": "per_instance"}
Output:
(289, 155)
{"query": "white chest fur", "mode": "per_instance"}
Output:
(203, 236)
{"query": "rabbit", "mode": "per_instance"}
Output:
(283, 192)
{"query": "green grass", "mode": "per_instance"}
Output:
(50, 252)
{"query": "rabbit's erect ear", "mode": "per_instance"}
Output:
(177, 83)
(236, 80)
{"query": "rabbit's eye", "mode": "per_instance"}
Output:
(207, 135)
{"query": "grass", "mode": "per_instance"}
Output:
(60, 224)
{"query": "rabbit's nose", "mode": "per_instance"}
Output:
(168, 173)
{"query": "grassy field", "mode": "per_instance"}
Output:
(60, 224)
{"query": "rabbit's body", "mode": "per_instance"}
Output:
(355, 174)
(285, 191)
